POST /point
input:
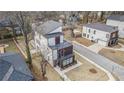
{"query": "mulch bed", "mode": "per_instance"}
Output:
(92, 70)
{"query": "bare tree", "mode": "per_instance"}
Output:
(24, 23)
(12, 24)
(85, 17)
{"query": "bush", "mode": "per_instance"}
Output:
(8, 36)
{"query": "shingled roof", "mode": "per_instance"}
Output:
(102, 27)
(13, 68)
(47, 27)
(116, 17)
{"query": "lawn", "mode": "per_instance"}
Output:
(86, 72)
(11, 45)
(84, 41)
(114, 55)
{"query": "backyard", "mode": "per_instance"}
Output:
(11, 47)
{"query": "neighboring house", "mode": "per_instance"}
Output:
(2, 50)
(18, 30)
(14, 68)
(101, 33)
(117, 20)
(49, 40)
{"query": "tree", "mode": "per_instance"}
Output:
(12, 24)
(85, 17)
(23, 21)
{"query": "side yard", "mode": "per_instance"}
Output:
(51, 74)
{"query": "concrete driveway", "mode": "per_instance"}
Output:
(95, 47)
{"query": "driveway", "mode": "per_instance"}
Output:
(107, 64)
(95, 47)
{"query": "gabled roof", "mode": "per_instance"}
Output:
(116, 17)
(47, 27)
(102, 27)
(20, 69)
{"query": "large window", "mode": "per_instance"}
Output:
(84, 34)
(89, 30)
(94, 31)
(57, 40)
(65, 51)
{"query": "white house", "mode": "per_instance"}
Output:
(101, 33)
(49, 40)
(117, 20)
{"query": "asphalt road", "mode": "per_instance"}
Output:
(107, 64)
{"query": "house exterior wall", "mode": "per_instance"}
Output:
(96, 35)
(119, 24)
(55, 55)
(42, 45)
(51, 55)
(51, 41)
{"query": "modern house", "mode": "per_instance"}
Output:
(14, 68)
(117, 20)
(50, 41)
(101, 33)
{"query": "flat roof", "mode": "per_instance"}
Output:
(53, 34)
(61, 45)
(102, 27)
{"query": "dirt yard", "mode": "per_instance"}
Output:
(84, 41)
(117, 46)
(86, 72)
(51, 74)
(114, 55)
(67, 35)
(121, 40)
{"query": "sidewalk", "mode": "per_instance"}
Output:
(62, 72)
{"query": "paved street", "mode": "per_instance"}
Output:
(107, 64)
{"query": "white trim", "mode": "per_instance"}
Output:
(8, 74)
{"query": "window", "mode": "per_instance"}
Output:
(113, 35)
(66, 51)
(94, 31)
(89, 30)
(57, 40)
(87, 36)
(84, 34)
(107, 35)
